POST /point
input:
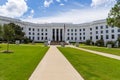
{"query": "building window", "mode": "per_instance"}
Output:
(67, 33)
(80, 33)
(67, 38)
(29, 29)
(41, 33)
(75, 33)
(33, 33)
(80, 29)
(83, 33)
(33, 29)
(38, 29)
(90, 37)
(101, 27)
(33, 38)
(45, 38)
(42, 30)
(71, 30)
(80, 38)
(96, 32)
(90, 29)
(71, 38)
(41, 38)
(22, 28)
(29, 33)
(38, 34)
(83, 38)
(106, 26)
(83, 29)
(75, 30)
(118, 30)
(71, 33)
(96, 27)
(96, 37)
(101, 36)
(75, 38)
(101, 32)
(113, 36)
(68, 30)
(118, 35)
(112, 31)
(107, 36)
(45, 33)
(46, 30)
(38, 38)
(106, 31)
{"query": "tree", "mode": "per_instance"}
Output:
(114, 15)
(8, 34)
(18, 34)
(1, 31)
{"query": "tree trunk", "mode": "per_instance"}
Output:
(8, 46)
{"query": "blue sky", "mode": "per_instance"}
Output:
(56, 11)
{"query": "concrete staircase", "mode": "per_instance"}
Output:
(57, 43)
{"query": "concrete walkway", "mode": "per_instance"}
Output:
(99, 53)
(54, 66)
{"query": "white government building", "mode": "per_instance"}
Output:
(66, 31)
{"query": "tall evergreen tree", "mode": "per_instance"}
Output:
(114, 15)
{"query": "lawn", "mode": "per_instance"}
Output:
(20, 64)
(92, 66)
(115, 51)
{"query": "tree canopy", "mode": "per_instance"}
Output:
(114, 15)
(18, 34)
(0, 31)
(8, 32)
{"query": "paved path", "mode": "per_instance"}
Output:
(54, 66)
(99, 53)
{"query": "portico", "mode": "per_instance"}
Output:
(57, 34)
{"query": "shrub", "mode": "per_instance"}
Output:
(111, 42)
(88, 42)
(100, 42)
(26, 40)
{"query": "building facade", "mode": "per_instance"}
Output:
(66, 31)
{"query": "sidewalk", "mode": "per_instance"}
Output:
(99, 53)
(54, 66)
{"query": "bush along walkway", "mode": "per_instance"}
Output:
(54, 66)
(99, 53)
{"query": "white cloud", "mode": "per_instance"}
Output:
(47, 3)
(13, 8)
(31, 14)
(61, 4)
(73, 16)
(78, 4)
(104, 3)
(58, 0)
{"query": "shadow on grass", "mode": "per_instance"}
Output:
(7, 52)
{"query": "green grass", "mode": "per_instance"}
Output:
(20, 64)
(115, 51)
(92, 66)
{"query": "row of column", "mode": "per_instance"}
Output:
(57, 34)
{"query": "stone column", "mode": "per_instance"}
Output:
(63, 35)
(59, 34)
(55, 33)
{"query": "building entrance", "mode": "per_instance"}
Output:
(57, 34)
